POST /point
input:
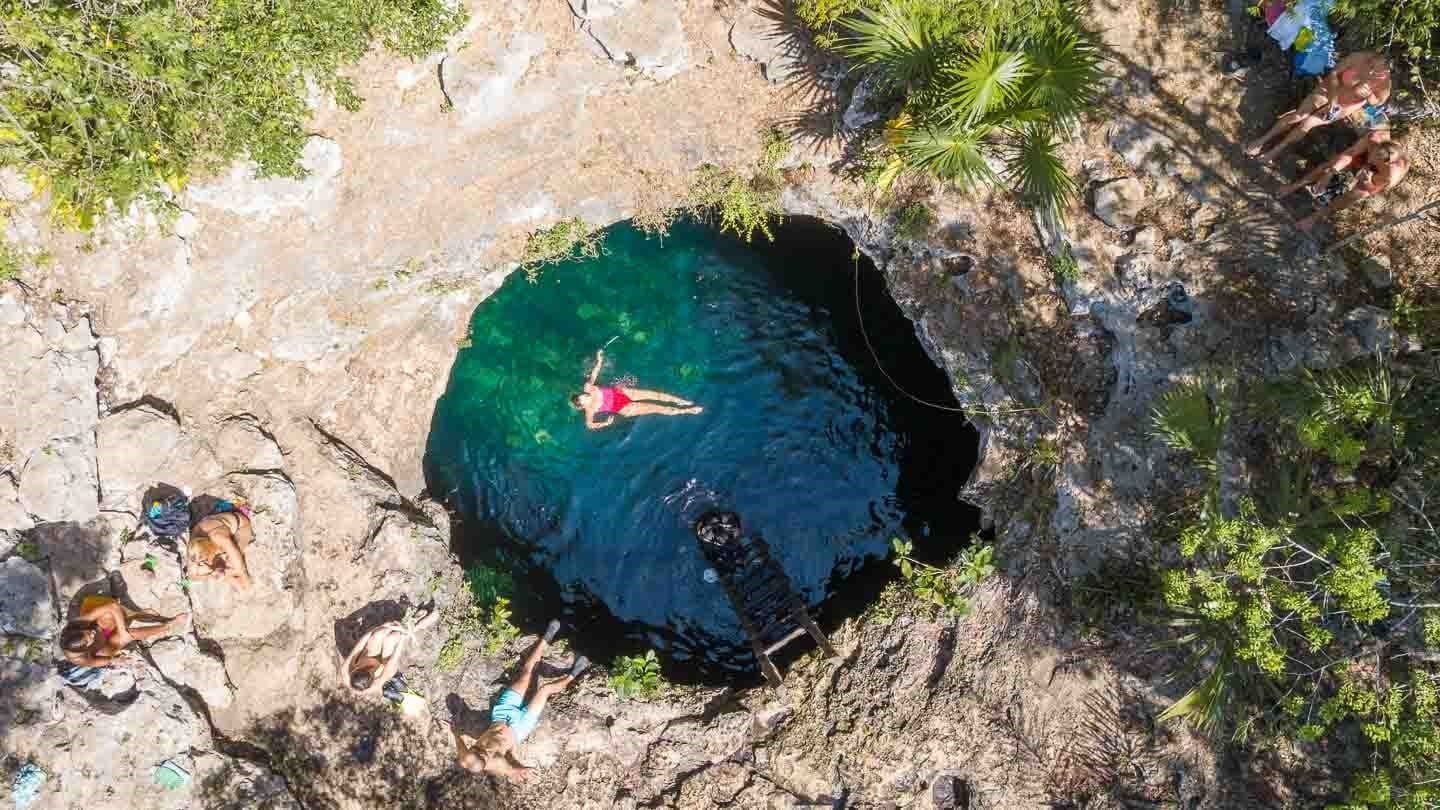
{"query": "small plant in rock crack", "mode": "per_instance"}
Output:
(1064, 267)
(633, 676)
(945, 588)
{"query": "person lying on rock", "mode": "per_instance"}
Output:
(1360, 83)
(376, 656)
(612, 401)
(512, 718)
(217, 549)
(1372, 165)
(103, 628)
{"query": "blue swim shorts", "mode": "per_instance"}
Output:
(511, 710)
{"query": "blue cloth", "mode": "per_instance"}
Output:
(26, 787)
(79, 676)
(1375, 117)
(394, 689)
(511, 710)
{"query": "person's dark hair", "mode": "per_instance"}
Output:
(575, 400)
(361, 679)
(718, 528)
(73, 637)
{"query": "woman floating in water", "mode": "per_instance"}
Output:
(599, 400)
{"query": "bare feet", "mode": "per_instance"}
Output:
(693, 409)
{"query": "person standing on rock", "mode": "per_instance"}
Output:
(612, 400)
(103, 628)
(217, 548)
(1375, 163)
(376, 656)
(512, 718)
(1360, 83)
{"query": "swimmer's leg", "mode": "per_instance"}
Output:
(650, 409)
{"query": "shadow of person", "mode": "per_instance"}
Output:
(466, 719)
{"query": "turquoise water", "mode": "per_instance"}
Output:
(800, 435)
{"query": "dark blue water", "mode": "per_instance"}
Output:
(801, 435)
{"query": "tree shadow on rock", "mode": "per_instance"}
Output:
(341, 754)
(349, 629)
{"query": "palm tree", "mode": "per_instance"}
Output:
(982, 106)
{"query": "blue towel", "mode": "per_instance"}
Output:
(82, 677)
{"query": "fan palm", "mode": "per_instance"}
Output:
(896, 42)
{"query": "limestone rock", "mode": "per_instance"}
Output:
(60, 483)
(236, 784)
(644, 34)
(77, 554)
(27, 680)
(25, 605)
(1119, 203)
(1371, 332)
(12, 515)
(1144, 148)
(861, 111)
(109, 758)
(242, 443)
(184, 664)
(135, 449)
(760, 34)
(1377, 271)
(240, 191)
(154, 584)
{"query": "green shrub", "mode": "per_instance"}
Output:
(1064, 267)
(125, 100)
(946, 589)
(981, 80)
(1410, 29)
(565, 240)
(737, 205)
(486, 612)
(914, 221)
(636, 676)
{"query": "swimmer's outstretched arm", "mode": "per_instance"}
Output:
(595, 372)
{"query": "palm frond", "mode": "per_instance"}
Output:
(951, 153)
(1192, 416)
(1204, 706)
(1036, 171)
(896, 42)
(985, 81)
(1066, 69)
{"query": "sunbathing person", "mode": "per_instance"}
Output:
(1359, 83)
(512, 718)
(103, 628)
(598, 400)
(375, 658)
(1374, 163)
(217, 548)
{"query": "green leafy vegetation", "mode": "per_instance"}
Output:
(734, 203)
(1410, 30)
(15, 260)
(946, 589)
(914, 221)
(485, 612)
(1064, 267)
(565, 240)
(981, 82)
(1303, 608)
(123, 101)
(636, 676)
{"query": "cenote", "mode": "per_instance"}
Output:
(801, 435)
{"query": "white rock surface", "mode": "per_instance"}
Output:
(645, 34)
(759, 34)
(183, 663)
(241, 192)
(59, 482)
